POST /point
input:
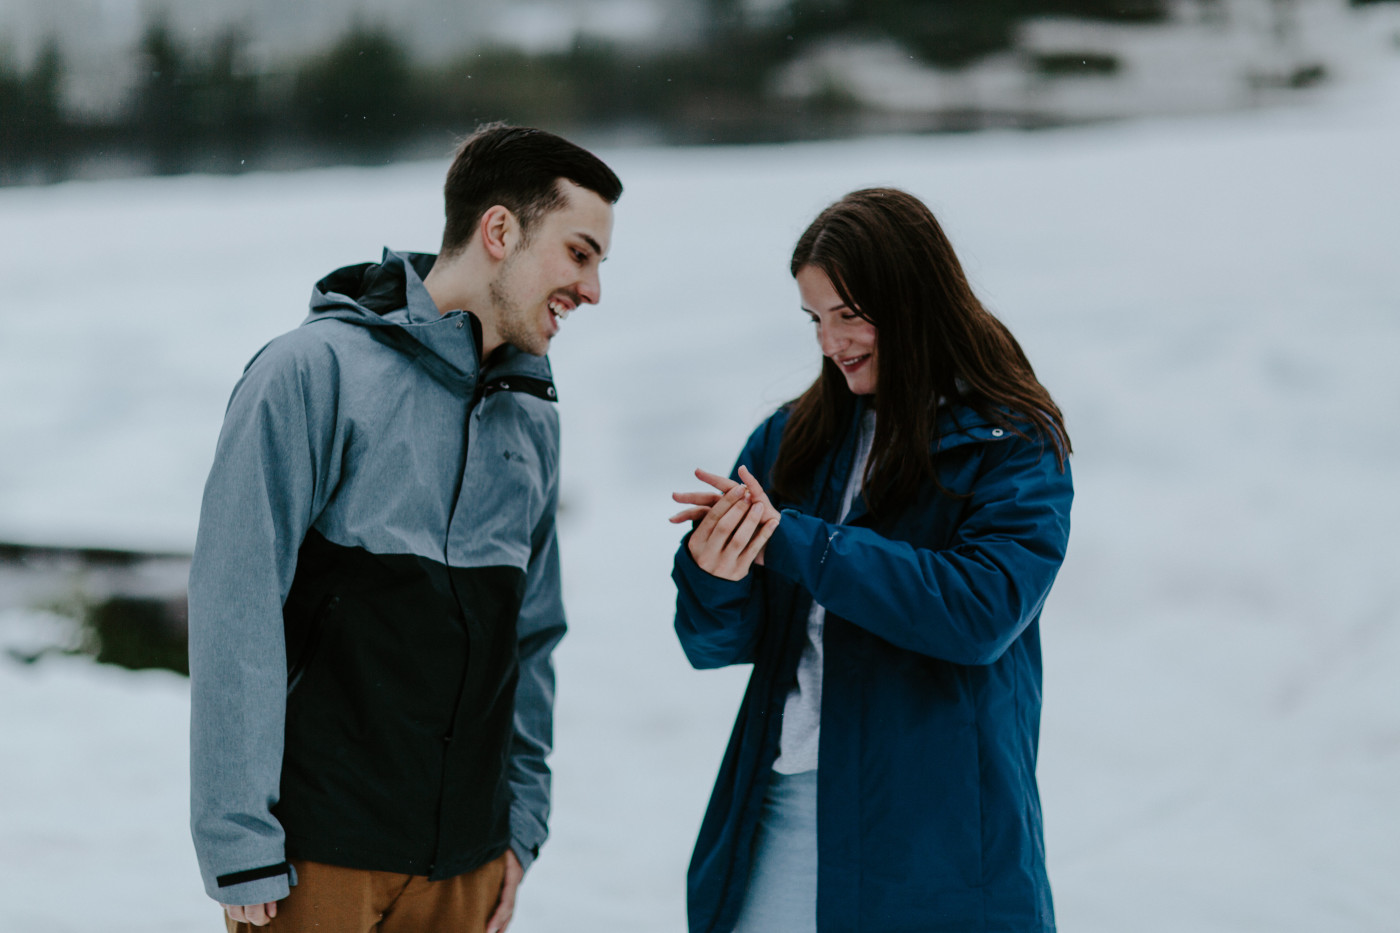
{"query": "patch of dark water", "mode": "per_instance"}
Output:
(126, 608)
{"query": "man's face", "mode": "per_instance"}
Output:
(543, 280)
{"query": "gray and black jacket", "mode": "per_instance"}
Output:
(374, 597)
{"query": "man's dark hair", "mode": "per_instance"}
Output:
(518, 167)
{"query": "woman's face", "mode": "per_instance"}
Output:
(845, 337)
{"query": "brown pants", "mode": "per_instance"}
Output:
(331, 899)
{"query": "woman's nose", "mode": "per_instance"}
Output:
(827, 341)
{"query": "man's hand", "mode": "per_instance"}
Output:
(732, 526)
(256, 914)
(505, 908)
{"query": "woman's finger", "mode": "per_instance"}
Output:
(705, 541)
(758, 494)
(696, 498)
(689, 515)
(753, 552)
(727, 564)
(743, 534)
(737, 493)
(754, 487)
(722, 483)
(729, 521)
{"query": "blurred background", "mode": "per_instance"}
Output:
(1186, 210)
(95, 88)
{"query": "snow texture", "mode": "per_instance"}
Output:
(1213, 301)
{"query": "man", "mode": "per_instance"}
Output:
(375, 595)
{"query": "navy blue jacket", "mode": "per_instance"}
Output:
(928, 816)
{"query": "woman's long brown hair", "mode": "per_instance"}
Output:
(891, 263)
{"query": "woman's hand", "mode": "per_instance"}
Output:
(732, 526)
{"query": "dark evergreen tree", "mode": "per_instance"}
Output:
(358, 97)
(11, 120)
(230, 103)
(163, 109)
(33, 134)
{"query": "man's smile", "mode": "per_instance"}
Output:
(561, 307)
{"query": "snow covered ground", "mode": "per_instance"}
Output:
(1213, 301)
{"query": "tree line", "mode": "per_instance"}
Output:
(202, 106)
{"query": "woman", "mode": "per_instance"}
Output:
(881, 555)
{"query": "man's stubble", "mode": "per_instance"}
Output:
(514, 323)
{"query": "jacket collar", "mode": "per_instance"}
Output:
(390, 296)
(957, 425)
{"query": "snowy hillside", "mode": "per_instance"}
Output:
(1212, 301)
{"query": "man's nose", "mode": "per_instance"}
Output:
(590, 290)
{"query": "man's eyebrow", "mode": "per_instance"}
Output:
(591, 242)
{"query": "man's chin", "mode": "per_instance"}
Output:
(532, 347)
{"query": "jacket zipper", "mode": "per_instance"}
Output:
(472, 410)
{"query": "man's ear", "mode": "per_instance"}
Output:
(498, 231)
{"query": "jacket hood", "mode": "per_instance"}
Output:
(958, 423)
(390, 297)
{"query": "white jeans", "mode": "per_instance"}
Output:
(781, 896)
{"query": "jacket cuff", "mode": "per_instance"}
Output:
(526, 854)
(256, 886)
(794, 543)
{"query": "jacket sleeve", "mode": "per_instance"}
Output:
(270, 469)
(719, 621)
(539, 627)
(966, 603)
